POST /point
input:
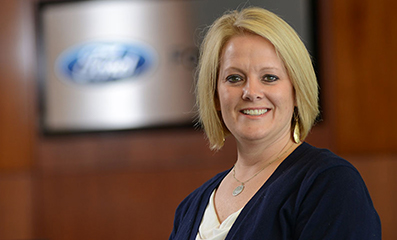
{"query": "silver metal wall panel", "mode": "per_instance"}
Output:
(93, 78)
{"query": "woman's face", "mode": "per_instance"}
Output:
(255, 95)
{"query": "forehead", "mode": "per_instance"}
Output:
(249, 49)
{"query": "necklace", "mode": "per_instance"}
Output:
(240, 187)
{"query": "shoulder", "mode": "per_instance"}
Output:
(310, 170)
(314, 166)
(332, 196)
(321, 156)
(314, 161)
(311, 175)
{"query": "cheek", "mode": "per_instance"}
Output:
(221, 98)
(285, 99)
(227, 99)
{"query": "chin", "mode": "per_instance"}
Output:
(253, 137)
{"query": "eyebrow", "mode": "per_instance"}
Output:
(262, 69)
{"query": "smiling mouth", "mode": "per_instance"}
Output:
(255, 112)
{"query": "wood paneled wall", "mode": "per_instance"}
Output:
(121, 186)
(16, 85)
(380, 175)
(127, 185)
(16, 205)
(359, 69)
(16, 121)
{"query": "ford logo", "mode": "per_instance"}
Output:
(102, 62)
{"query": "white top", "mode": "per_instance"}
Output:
(210, 227)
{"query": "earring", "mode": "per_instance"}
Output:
(296, 133)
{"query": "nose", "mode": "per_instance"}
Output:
(252, 90)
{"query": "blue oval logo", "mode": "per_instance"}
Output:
(103, 62)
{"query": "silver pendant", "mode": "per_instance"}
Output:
(238, 190)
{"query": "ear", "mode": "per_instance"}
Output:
(295, 100)
(217, 102)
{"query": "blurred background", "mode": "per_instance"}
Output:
(61, 180)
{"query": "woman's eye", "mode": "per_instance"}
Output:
(270, 78)
(234, 78)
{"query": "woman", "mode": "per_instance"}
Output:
(256, 83)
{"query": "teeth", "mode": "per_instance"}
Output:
(255, 112)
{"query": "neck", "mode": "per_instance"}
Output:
(254, 155)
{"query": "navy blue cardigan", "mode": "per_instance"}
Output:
(312, 195)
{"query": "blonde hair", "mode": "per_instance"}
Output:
(288, 46)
